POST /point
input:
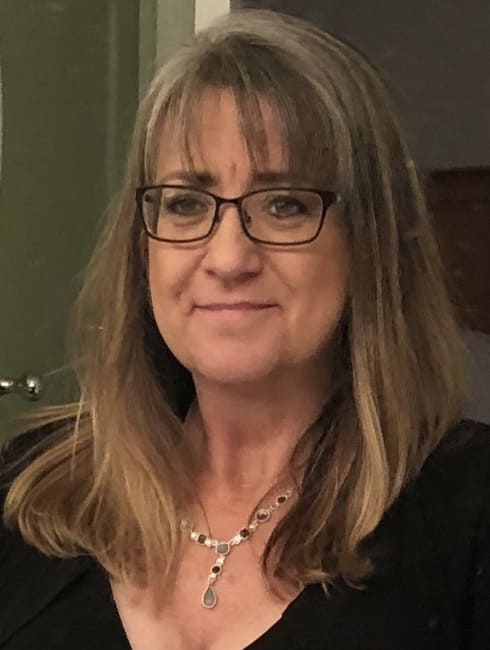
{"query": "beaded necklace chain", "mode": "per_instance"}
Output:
(223, 549)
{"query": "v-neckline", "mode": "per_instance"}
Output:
(280, 631)
(284, 633)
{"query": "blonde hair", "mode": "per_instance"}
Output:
(114, 478)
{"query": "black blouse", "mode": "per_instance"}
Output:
(430, 589)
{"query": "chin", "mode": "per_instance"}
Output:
(233, 370)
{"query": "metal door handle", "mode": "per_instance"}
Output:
(29, 386)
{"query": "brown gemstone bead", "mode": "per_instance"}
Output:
(216, 569)
(201, 539)
(244, 533)
(262, 515)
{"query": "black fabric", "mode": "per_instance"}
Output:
(430, 590)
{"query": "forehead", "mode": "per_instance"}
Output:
(215, 134)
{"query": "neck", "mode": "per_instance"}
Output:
(249, 432)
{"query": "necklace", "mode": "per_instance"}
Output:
(223, 549)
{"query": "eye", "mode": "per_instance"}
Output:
(286, 206)
(185, 204)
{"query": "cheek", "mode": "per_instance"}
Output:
(168, 274)
(323, 291)
(166, 277)
(157, 277)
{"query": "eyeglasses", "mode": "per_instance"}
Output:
(282, 216)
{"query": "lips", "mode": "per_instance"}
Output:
(236, 306)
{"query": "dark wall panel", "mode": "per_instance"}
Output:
(436, 55)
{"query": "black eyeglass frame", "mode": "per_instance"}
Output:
(327, 197)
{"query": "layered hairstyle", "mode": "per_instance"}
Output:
(116, 472)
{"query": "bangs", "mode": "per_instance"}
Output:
(256, 78)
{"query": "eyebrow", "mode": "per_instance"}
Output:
(206, 180)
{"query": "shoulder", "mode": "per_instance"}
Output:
(436, 537)
(467, 442)
(446, 511)
(452, 498)
(15, 456)
(457, 473)
(452, 490)
(443, 512)
(29, 580)
(17, 453)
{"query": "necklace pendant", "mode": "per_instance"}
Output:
(209, 599)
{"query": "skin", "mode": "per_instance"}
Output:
(261, 375)
(261, 378)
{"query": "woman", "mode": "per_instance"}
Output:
(268, 450)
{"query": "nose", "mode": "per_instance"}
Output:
(230, 254)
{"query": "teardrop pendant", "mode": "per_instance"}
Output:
(209, 598)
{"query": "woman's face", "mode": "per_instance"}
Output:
(230, 309)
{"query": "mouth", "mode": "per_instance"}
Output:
(234, 314)
(236, 306)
